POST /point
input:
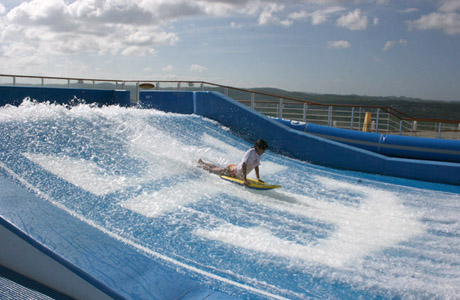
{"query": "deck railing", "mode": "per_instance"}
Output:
(384, 119)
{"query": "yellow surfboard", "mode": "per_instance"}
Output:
(253, 184)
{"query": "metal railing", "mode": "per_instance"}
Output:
(385, 119)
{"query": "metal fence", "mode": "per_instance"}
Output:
(381, 119)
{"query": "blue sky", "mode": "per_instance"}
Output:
(367, 47)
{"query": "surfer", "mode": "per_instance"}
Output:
(249, 162)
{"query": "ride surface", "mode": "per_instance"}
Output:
(131, 175)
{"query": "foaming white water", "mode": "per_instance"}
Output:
(169, 199)
(85, 174)
(380, 221)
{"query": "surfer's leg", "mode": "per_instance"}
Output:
(205, 165)
(210, 167)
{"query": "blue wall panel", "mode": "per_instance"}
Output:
(14, 95)
(178, 102)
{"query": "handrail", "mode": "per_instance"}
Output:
(395, 113)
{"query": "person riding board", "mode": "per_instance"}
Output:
(249, 162)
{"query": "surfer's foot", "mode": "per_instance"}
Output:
(201, 164)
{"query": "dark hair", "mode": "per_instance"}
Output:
(261, 144)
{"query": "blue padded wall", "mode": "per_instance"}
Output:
(178, 102)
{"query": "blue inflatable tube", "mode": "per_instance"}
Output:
(385, 144)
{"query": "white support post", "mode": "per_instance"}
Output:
(280, 111)
(329, 116)
(304, 116)
(377, 120)
(352, 117)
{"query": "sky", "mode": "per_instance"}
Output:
(407, 48)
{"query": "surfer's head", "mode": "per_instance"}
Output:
(260, 146)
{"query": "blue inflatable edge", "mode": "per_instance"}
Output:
(252, 125)
(385, 144)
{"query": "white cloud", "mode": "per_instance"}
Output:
(317, 17)
(2, 9)
(446, 19)
(354, 20)
(447, 22)
(84, 26)
(267, 17)
(168, 68)
(388, 45)
(299, 15)
(391, 44)
(338, 44)
(236, 25)
(321, 16)
(449, 5)
(375, 21)
(197, 68)
(409, 10)
(138, 51)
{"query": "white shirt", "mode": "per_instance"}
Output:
(251, 159)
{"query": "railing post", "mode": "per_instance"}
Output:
(43, 82)
(137, 92)
(304, 117)
(329, 116)
(94, 84)
(280, 111)
(400, 127)
(157, 87)
(123, 86)
(359, 119)
(68, 83)
(226, 92)
(202, 86)
(352, 117)
(253, 99)
(14, 80)
(377, 120)
(178, 86)
(439, 130)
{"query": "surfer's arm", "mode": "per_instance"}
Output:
(257, 173)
